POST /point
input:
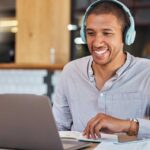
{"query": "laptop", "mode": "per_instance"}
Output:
(26, 122)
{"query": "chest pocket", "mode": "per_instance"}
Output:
(124, 105)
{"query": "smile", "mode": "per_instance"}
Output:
(100, 52)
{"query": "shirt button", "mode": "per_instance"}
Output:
(101, 94)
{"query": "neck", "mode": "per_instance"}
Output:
(107, 71)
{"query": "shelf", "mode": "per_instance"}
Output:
(52, 67)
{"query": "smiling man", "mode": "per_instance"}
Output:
(107, 91)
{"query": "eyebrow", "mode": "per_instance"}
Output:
(108, 30)
(89, 29)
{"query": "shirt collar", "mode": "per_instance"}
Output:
(125, 65)
(90, 70)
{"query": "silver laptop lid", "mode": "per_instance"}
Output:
(26, 122)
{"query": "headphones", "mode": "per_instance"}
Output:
(130, 32)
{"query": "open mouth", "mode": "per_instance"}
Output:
(101, 52)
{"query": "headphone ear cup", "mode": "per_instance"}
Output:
(130, 36)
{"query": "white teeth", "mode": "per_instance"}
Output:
(100, 52)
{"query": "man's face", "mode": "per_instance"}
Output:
(104, 38)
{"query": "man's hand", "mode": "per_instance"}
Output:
(105, 123)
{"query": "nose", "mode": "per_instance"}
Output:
(98, 41)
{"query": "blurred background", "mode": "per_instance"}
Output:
(38, 37)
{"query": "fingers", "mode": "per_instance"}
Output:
(88, 132)
(106, 123)
(97, 130)
(93, 127)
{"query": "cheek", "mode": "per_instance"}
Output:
(89, 47)
(89, 43)
(120, 38)
(115, 42)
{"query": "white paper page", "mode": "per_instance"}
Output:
(78, 136)
(136, 145)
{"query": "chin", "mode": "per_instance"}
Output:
(101, 61)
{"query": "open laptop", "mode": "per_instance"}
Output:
(26, 122)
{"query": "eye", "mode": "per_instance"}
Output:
(89, 33)
(108, 33)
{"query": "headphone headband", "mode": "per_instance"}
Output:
(130, 33)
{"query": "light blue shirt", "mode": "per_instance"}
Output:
(126, 95)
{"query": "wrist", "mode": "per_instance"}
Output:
(133, 127)
(126, 126)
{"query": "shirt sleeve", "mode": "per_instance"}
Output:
(144, 127)
(144, 123)
(61, 110)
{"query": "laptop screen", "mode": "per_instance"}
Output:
(26, 122)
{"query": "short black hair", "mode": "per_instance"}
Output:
(111, 8)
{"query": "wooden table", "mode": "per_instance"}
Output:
(93, 145)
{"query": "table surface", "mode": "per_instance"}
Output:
(93, 145)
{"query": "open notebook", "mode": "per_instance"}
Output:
(26, 122)
(78, 135)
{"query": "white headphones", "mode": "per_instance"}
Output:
(130, 32)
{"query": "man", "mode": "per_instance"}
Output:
(109, 90)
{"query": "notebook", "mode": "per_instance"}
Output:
(26, 122)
